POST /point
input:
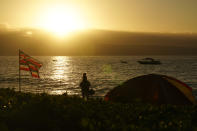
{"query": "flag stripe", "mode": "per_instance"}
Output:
(28, 63)
(23, 61)
(33, 68)
(24, 68)
(30, 60)
(23, 64)
(34, 62)
(22, 55)
(25, 55)
(36, 75)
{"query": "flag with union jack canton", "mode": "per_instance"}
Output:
(27, 63)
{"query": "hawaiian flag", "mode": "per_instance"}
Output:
(27, 63)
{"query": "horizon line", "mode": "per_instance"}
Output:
(18, 29)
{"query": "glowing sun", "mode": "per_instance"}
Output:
(62, 21)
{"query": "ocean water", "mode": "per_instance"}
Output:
(60, 74)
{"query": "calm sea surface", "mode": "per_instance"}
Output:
(60, 74)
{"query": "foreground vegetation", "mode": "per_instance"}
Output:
(42, 112)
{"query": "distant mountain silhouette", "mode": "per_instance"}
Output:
(98, 42)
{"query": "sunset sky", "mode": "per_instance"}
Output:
(62, 16)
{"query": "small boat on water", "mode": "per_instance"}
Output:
(125, 62)
(149, 61)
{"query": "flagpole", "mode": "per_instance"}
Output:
(28, 63)
(19, 74)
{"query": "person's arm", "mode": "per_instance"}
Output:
(80, 84)
(89, 84)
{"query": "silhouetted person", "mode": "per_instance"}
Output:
(85, 84)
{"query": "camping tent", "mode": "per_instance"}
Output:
(152, 88)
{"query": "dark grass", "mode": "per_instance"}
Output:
(42, 112)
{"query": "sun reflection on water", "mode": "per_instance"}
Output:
(60, 64)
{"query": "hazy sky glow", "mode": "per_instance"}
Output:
(129, 15)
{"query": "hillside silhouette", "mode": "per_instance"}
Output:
(97, 42)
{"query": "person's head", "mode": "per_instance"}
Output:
(84, 76)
